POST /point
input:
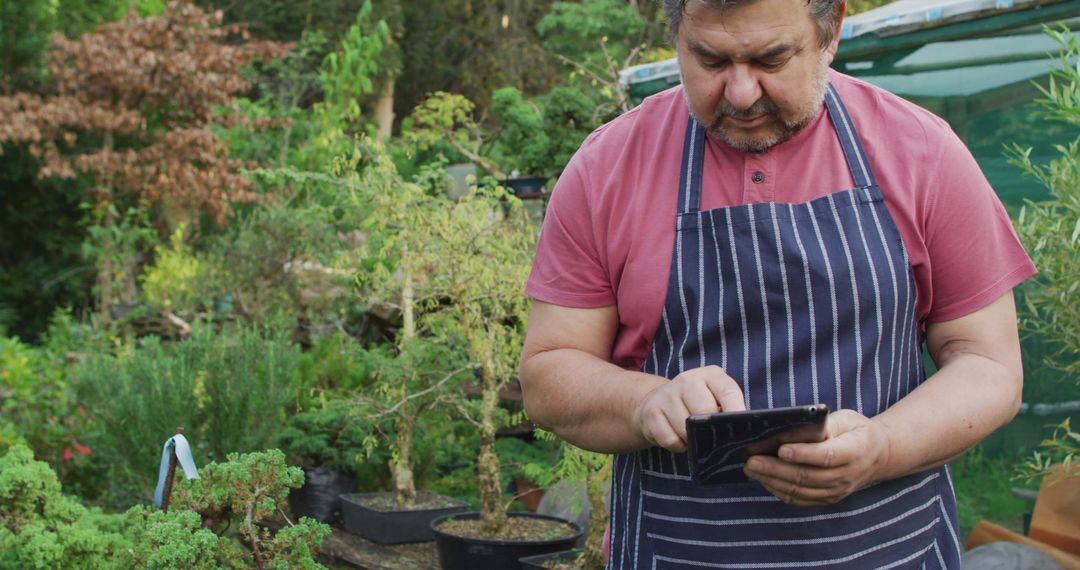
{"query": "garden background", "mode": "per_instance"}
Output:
(287, 225)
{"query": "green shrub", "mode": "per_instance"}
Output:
(34, 404)
(1051, 232)
(335, 435)
(42, 529)
(230, 390)
(209, 518)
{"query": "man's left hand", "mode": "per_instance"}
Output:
(814, 474)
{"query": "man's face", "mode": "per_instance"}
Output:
(754, 74)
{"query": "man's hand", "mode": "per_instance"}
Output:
(854, 455)
(661, 417)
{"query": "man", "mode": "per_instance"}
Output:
(774, 233)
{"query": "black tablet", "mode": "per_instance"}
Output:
(719, 444)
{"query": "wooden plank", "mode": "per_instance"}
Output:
(347, 547)
(342, 546)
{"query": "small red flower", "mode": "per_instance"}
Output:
(82, 449)
(67, 454)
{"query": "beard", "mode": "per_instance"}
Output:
(779, 129)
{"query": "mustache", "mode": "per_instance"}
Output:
(763, 106)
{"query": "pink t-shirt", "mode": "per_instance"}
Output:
(610, 225)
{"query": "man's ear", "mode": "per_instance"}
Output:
(835, 43)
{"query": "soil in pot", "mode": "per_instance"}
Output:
(385, 502)
(463, 544)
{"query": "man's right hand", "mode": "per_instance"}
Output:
(661, 416)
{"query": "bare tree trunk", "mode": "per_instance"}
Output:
(401, 464)
(384, 111)
(492, 513)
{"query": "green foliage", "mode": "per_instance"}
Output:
(243, 490)
(576, 29)
(594, 470)
(347, 76)
(24, 33)
(1051, 232)
(335, 435)
(984, 491)
(31, 394)
(285, 85)
(333, 363)
(40, 244)
(42, 529)
(230, 390)
(540, 135)
(286, 258)
(467, 47)
(176, 280)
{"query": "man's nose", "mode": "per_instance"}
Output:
(742, 89)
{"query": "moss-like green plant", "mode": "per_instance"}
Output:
(42, 529)
(195, 532)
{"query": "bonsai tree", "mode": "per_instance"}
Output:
(413, 377)
(245, 489)
(486, 239)
(460, 265)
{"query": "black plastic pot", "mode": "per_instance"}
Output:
(464, 553)
(538, 562)
(393, 527)
(318, 497)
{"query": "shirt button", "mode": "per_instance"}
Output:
(758, 177)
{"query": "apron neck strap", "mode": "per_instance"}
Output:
(857, 162)
(693, 158)
(693, 155)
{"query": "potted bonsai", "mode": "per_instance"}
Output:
(461, 263)
(487, 241)
(325, 442)
(412, 376)
(408, 381)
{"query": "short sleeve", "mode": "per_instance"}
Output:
(567, 270)
(974, 253)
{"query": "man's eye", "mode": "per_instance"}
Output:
(771, 64)
(714, 64)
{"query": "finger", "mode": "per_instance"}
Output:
(802, 496)
(781, 474)
(697, 398)
(656, 427)
(676, 418)
(726, 391)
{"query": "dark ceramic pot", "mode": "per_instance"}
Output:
(464, 553)
(393, 526)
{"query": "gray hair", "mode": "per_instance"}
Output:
(826, 14)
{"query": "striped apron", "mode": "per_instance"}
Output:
(799, 303)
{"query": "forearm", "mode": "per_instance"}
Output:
(586, 400)
(966, 400)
